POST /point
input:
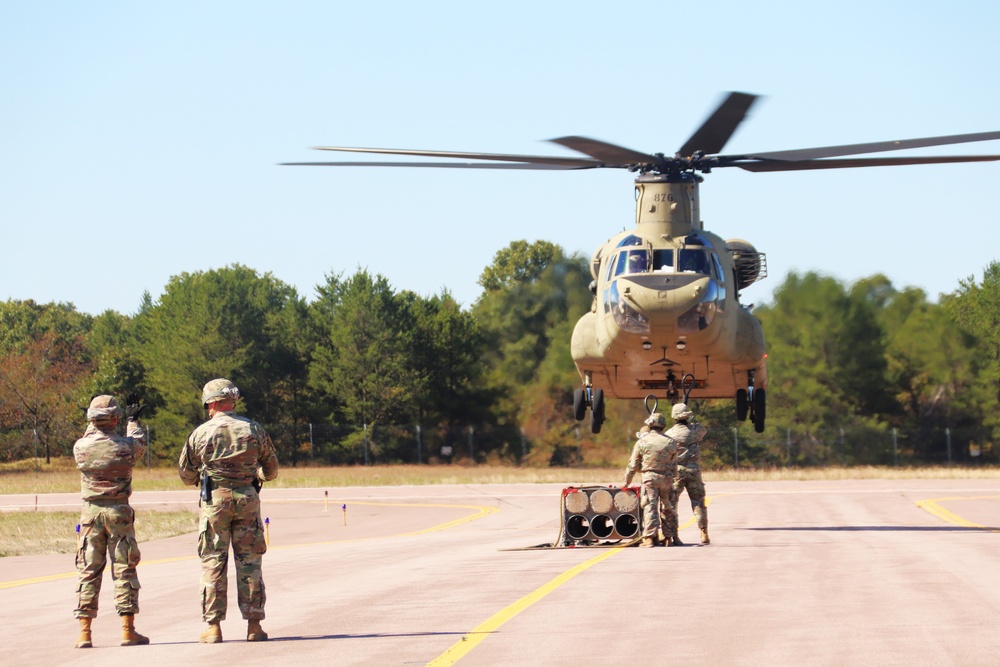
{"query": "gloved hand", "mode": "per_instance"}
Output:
(132, 407)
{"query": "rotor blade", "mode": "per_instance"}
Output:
(610, 154)
(713, 134)
(451, 165)
(875, 147)
(501, 157)
(798, 165)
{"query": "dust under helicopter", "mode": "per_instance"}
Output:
(666, 319)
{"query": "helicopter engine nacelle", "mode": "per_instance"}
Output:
(595, 262)
(750, 265)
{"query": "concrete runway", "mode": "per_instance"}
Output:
(819, 573)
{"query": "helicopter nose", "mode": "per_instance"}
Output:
(664, 303)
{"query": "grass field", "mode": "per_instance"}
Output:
(61, 475)
(37, 533)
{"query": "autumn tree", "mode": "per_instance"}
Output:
(42, 391)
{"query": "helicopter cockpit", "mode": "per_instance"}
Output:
(697, 256)
(632, 257)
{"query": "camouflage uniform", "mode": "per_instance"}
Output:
(107, 522)
(688, 438)
(236, 452)
(654, 455)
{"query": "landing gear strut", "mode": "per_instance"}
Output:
(592, 397)
(753, 403)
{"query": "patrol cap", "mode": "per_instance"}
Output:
(219, 389)
(680, 411)
(655, 419)
(103, 406)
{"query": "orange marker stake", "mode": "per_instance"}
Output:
(345, 513)
(267, 531)
(326, 501)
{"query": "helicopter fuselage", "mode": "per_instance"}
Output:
(666, 304)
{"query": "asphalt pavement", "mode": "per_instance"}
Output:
(820, 573)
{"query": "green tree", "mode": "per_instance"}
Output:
(518, 263)
(826, 365)
(527, 323)
(119, 370)
(230, 322)
(22, 322)
(976, 308)
(445, 349)
(360, 360)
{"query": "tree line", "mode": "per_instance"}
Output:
(858, 374)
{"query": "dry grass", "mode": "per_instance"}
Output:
(36, 533)
(61, 475)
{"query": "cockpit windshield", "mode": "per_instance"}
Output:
(663, 260)
(694, 260)
(632, 261)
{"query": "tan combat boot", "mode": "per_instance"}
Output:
(648, 542)
(701, 513)
(129, 636)
(255, 633)
(84, 640)
(212, 634)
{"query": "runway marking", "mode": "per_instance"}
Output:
(481, 511)
(931, 505)
(490, 625)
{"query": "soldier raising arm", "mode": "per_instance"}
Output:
(107, 522)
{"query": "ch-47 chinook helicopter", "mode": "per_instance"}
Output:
(666, 315)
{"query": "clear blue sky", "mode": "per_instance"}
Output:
(141, 140)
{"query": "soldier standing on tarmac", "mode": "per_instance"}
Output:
(654, 455)
(107, 521)
(233, 456)
(688, 438)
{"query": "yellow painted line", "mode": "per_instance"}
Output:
(931, 505)
(68, 575)
(481, 511)
(483, 630)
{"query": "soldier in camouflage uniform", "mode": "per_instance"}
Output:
(654, 455)
(688, 438)
(107, 522)
(237, 455)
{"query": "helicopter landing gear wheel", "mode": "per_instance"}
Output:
(579, 405)
(759, 409)
(742, 404)
(596, 410)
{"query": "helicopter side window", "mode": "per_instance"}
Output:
(663, 260)
(693, 260)
(719, 273)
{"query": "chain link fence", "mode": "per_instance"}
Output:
(854, 445)
(339, 444)
(732, 446)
